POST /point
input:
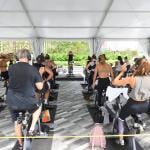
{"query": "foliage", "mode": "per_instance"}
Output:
(112, 55)
(12, 46)
(58, 50)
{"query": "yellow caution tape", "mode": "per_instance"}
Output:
(84, 136)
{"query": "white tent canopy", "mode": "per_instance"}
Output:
(74, 19)
(95, 20)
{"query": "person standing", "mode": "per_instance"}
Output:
(70, 62)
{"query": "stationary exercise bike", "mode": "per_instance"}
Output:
(25, 120)
(129, 129)
(70, 67)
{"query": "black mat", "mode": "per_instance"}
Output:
(112, 145)
(87, 95)
(53, 96)
(74, 77)
(56, 86)
(95, 113)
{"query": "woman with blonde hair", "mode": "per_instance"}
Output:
(102, 71)
(138, 101)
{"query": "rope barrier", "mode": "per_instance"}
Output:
(84, 136)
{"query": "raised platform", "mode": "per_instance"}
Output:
(67, 77)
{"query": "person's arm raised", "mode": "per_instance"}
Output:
(119, 81)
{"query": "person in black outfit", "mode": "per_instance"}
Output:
(70, 62)
(90, 69)
(70, 56)
(23, 78)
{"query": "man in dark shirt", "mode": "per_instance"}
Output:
(22, 81)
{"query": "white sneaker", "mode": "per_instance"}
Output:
(139, 125)
(120, 142)
(46, 102)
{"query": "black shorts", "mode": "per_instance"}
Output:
(133, 107)
(44, 89)
(18, 103)
(15, 114)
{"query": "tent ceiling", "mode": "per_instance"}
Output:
(74, 18)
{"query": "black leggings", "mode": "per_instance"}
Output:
(90, 80)
(133, 107)
(103, 83)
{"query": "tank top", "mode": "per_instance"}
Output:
(92, 65)
(141, 91)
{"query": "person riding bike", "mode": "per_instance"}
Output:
(23, 78)
(47, 75)
(138, 101)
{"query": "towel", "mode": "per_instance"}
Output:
(113, 93)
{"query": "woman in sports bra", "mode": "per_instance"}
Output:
(102, 71)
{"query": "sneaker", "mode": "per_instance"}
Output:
(52, 126)
(139, 124)
(43, 134)
(142, 123)
(45, 102)
(31, 133)
(120, 142)
(18, 146)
